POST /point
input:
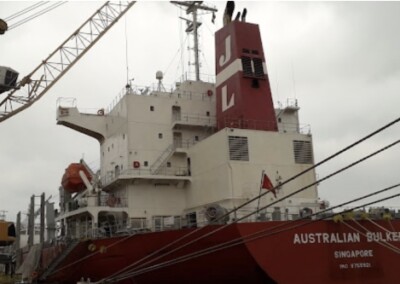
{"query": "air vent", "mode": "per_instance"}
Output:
(253, 67)
(238, 148)
(302, 152)
(258, 68)
(246, 64)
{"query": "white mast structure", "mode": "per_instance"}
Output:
(192, 7)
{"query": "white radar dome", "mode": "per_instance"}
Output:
(159, 75)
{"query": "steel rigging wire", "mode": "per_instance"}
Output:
(26, 10)
(120, 272)
(259, 196)
(264, 233)
(314, 166)
(33, 16)
(283, 183)
(271, 204)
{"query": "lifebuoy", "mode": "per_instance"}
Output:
(136, 164)
(103, 249)
(100, 111)
(92, 247)
(209, 93)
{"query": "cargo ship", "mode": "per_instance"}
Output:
(207, 182)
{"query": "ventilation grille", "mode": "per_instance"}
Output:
(247, 69)
(253, 67)
(302, 152)
(258, 68)
(238, 148)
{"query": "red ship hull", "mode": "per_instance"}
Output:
(268, 252)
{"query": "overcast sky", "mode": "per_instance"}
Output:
(340, 60)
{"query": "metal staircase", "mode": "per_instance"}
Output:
(162, 159)
(59, 259)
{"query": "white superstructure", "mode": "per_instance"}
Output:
(163, 163)
(170, 158)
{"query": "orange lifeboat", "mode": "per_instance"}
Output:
(71, 181)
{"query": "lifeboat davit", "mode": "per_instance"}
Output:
(71, 181)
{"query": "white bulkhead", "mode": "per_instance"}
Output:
(163, 159)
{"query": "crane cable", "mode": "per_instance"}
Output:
(262, 234)
(132, 265)
(252, 213)
(259, 196)
(33, 16)
(26, 10)
(315, 166)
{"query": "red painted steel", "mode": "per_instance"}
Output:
(278, 254)
(244, 98)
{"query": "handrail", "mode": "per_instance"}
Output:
(143, 172)
(152, 90)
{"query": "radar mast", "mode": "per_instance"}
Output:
(192, 7)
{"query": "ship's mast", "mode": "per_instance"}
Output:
(192, 7)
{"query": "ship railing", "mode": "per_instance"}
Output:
(111, 230)
(271, 214)
(290, 103)
(264, 125)
(105, 199)
(156, 224)
(195, 119)
(131, 173)
(375, 213)
(66, 102)
(294, 128)
(126, 228)
(185, 143)
(157, 90)
(191, 76)
(145, 226)
(91, 111)
(113, 200)
(189, 95)
(246, 124)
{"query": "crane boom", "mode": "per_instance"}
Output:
(33, 86)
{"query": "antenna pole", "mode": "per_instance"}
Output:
(191, 8)
(196, 46)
